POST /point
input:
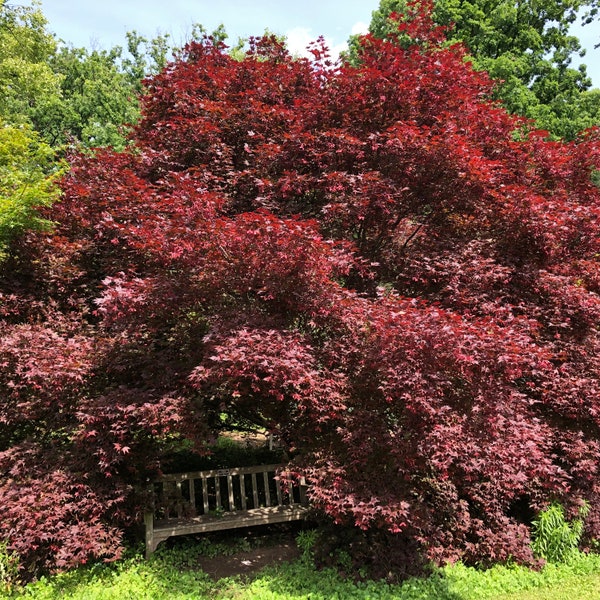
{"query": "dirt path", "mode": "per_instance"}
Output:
(249, 562)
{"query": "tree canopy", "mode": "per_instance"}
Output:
(27, 175)
(28, 86)
(99, 103)
(364, 260)
(527, 46)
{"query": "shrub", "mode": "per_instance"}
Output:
(372, 554)
(225, 453)
(553, 537)
(9, 568)
(306, 542)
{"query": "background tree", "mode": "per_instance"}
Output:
(100, 100)
(71, 94)
(75, 95)
(29, 88)
(145, 57)
(527, 46)
(52, 94)
(27, 175)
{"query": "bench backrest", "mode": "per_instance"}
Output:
(184, 495)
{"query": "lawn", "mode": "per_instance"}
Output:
(175, 573)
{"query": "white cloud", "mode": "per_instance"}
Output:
(299, 38)
(360, 28)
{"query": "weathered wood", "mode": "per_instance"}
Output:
(192, 493)
(210, 513)
(218, 504)
(243, 491)
(267, 492)
(205, 494)
(230, 490)
(254, 490)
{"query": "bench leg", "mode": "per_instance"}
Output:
(150, 544)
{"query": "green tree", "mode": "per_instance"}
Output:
(526, 45)
(146, 57)
(68, 93)
(74, 94)
(28, 170)
(99, 99)
(29, 89)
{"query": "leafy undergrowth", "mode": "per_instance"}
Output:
(173, 574)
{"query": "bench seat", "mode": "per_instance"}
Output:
(216, 500)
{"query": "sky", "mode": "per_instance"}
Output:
(102, 24)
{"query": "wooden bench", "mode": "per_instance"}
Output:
(202, 501)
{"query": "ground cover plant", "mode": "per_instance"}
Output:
(375, 263)
(174, 574)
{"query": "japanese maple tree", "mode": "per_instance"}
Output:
(377, 264)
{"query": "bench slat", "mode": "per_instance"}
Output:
(215, 472)
(267, 491)
(254, 490)
(205, 495)
(192, 495)
(178, 500)
(218, 492)
(230, 490)
(243, 491)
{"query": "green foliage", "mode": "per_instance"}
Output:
(27, 175)
(62, 93)
(146, 57)
(132, 578)
(68, 93)
(71, 94)
(99, 99)
(224, 453)
(186, 552)
(173, 574)
(9, 568)
(512, 581)
(553, 537)
(306, 541)
(29, 88)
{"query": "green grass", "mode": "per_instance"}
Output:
(172, 574)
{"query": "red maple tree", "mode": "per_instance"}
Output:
(376, 263)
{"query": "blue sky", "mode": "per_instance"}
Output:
(103, 23)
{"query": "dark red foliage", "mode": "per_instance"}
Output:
(377, 264)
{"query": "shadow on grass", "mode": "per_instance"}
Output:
(175, 575)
